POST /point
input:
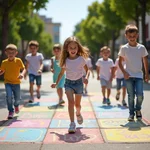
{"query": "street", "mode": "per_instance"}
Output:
(44, 125)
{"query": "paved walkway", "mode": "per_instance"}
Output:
(46, 122)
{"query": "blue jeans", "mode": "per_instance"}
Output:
(33, 77)
(120, 83)
(75, 85)
(12, 92)
(134, 88)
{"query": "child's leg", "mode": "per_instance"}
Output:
(78, 103)
(60, 93)
(103, 91)
(9, 101)
(70, 98)
(17, 96)
(31, 89)
(118, 81)
(108, 93)
(123, 93)
(38, 83)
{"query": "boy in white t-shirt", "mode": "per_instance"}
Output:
(105, 73)
(120, 82)
(34, 66)
(134, 53)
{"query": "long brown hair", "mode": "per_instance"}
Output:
(81, 50)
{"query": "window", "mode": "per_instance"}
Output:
(56, 29)
(56, 39)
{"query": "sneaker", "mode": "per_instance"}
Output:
(31, 100)
(117, 96)
(10, 115)
(131, 118)
(108, 101)
(79, 119)
(138, 115)
(104, 100)
(38, 94)
(17, 110)
(61, 102)
(124, 103)
(72, 128)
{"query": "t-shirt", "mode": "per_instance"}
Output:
(12, 70)
(34, 63)
(89, 65)
(105, 68)
(118, 72)
(74, 68)
(133, 58)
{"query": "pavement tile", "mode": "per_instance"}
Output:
(61, 136)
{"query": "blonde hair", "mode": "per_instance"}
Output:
(104, 48)
(81, 50)
(131, 28)
(57, 46)
(33, 43)
(11, 46)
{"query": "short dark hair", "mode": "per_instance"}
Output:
(33, 43)
(131, 28)
(57, 46)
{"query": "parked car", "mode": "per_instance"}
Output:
(46, 65)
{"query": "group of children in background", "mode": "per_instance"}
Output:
(71, 67)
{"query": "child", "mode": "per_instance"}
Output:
(90, 66)
(72, 61)
(55, 68)
(11, 68)
(105, 73)
(134, 53)
(120, 82)
(34, 66)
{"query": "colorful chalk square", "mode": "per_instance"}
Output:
(84, 108)
(105, 114)
(110, 108)
(38, 123)
(22, 135)
(120, 123)
(35, 115)
(87, 123)
(65, 115)
(133, 135)
(37, 108)
(35, 104)
(61, 136)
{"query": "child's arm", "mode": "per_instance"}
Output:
(91, 69)
(1, 72)
(59, 77)
(52, 66)
(126, 75)
(145, 62)
(98, 72)
(41, 67)
(112, 74)
(23, 73)
(87, 74)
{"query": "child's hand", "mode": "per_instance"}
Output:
(52, 70)
(20, 76)
(39, 71)
(53, 85)
(126, 75)
(146, 77)
(1, 72)
(85, 81)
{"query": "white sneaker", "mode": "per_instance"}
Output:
(31, 100)
(72, 128)
(61, 102)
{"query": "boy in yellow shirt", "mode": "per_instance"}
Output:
(11, 68)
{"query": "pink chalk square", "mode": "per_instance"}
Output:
(65, 115)
(61, 136)
(41, 123)
(83, 103)
(45, 99)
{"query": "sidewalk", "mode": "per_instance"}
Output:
(46, 122)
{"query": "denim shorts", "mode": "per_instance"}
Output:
(106, 83)
(120, 83)
(33, 77)
(75, 85)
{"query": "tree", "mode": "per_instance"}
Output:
(17, 8)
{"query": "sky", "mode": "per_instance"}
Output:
(68, 13)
